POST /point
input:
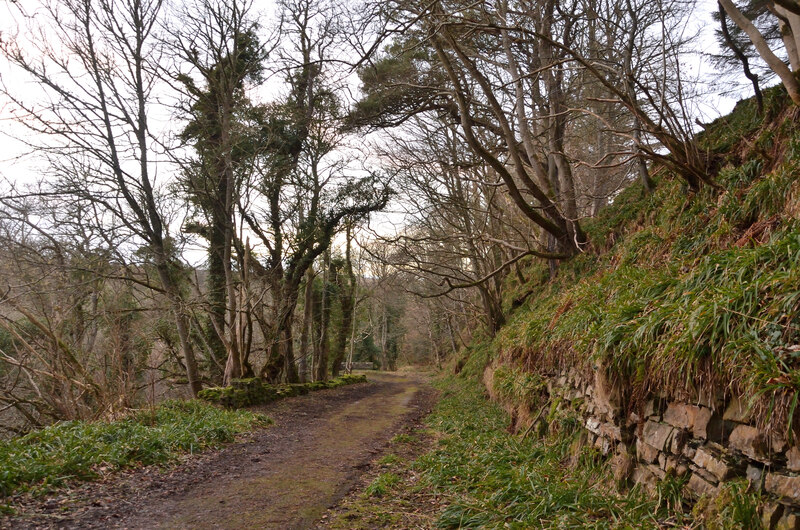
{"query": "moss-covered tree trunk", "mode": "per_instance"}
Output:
(323, 320)
(305, 351)
(347, 295)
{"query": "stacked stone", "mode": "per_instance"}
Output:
(599, 404)
(686, 440)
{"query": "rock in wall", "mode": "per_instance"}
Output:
(705, 443)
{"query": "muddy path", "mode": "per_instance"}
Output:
(284, 476)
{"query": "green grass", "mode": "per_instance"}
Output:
(382, 485)
(680, 288)
(725, 133)
(403, 439)
(513, 384)
(492, 479)
(389, 459)
(480, 476)
(79, 450)
(735, 507)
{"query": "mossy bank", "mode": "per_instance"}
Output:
(686, 307)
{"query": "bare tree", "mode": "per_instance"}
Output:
(74, 332)
(441, 63)
(460, 230)
(96, 64)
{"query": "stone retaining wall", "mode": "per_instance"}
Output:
(702, 443)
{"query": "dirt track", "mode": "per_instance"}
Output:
(284, 476)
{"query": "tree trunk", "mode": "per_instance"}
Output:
(775, 64)
(384, 338)
(434, 344)
(790, 33)
(323, 345)
(340, 347)
(192, 373)
(347, 290)
(349, 364)
(552, 221)
(641, 163)
(217, 298)
(290, 368)
(749, 74)
(540, 174)
(308, 301)
(278, 341)
(627, 73)
(451, 335)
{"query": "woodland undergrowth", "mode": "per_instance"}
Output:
(80, 450)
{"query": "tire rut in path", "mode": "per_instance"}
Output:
(287, 475)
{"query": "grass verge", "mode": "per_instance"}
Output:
(474, 474)
(79, 450)
(494, 479)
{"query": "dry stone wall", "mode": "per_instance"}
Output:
(704, 443)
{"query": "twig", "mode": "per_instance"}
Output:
(530, 427)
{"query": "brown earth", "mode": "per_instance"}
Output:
(407, 505)
(285, 476)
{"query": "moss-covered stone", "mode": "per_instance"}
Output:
(252, 383)
(300, 389)
(212, 394)
(253, 391)
(350, 379)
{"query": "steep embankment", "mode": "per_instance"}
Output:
(676, 341)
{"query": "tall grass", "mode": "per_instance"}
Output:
(682, 292)
(492, 479)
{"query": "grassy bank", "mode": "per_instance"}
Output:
(475, 474)
(494, 478)
(79, 450)
(682, 293)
